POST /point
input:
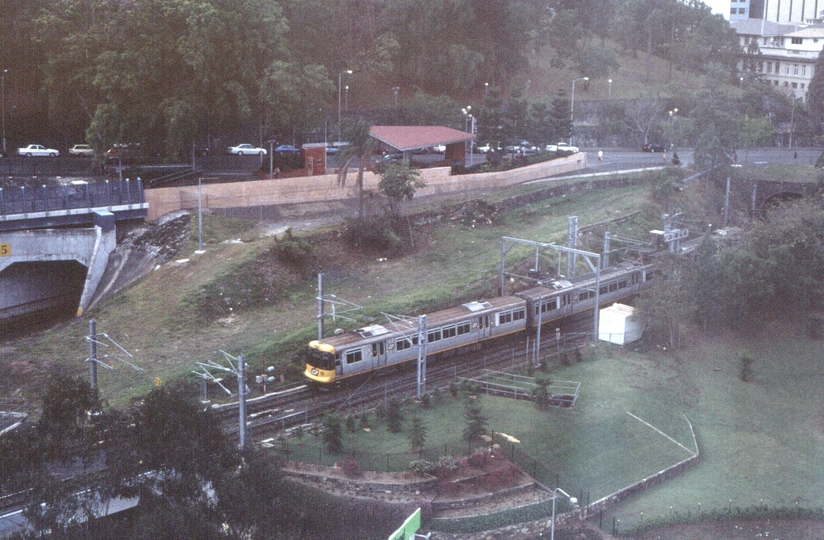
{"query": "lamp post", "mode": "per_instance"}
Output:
(395, 90)
(572, 500)
(340, 78)
(672, 114)
(486, 89)
(572, 106)
(3, 99)
(346, 99)
(526, 92)
(741, 83)
(609, 89)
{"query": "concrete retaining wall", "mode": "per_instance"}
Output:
(324, 188)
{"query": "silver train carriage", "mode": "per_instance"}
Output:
(336, 358)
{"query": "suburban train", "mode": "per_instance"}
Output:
(350, 354)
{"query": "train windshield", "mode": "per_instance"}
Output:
(321, 360)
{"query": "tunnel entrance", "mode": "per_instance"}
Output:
(37, 295)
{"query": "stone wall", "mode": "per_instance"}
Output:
(324, 188)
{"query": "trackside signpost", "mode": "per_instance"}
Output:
(409, 528)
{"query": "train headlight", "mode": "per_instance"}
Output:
(314, 371)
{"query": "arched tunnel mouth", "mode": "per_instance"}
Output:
(778, 199)
(39, 294)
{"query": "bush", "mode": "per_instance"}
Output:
(350, 467)
(377, 235)
(479, 460)
(293, 251)
(426, 401)
(445, 466)
(351, 423)
(421, 467)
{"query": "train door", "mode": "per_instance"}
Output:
(483, 326)
(378, 350)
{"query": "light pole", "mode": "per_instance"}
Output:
(395, 90)
(609, 89)
(741, 83)
(3, 99)
(340, 78)
(486, 89)
(469, 125)
(672, 114)
(572, 500)
(346, 99)
(526, 92)
(572, 106)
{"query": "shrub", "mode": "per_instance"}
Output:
(350, 467)
(351, 423)
(394, 416)
(375, 234)
(453, 389)
(426, 400)
(479, 460)
(294, 251)
(445, 466)
(364, 420)
(421, 467)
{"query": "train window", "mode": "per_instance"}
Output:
(433, 336)
(377, 348)
(504, 317)
(648, 275)
(449, 331)
(547, 305)
(622, 284)
(463, 328)
(354, 356)
(404, 343)
(519, 314)
(585, 295)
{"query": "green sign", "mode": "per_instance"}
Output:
(409, 527)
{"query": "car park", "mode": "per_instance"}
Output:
(37, 150)
(81, 150)
(653, 147)
(246, 150)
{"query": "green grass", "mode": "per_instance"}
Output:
(760, 442)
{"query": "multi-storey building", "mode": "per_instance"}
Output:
(784, 11)
(782, 54)
(739, 9)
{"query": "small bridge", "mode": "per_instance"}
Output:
(756, 195)
(70, 205)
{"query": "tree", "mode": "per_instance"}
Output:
(399, 181)
(417, 433)
(333, 433)
(359, 148)
(662, 307)
(475, 419)
(815, 94)
(755, 132)
(394, 415)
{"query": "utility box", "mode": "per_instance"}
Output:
(616, 324)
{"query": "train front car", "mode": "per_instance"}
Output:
(320, 368)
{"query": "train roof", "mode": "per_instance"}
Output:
(409, 325)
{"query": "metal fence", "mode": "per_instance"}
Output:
(22, 200)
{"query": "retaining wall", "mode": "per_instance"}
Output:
(324, 188)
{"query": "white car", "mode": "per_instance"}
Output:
(246, 150)
(562, 148)
(34, 150)
(81, 150)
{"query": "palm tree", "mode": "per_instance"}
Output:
(360, 147)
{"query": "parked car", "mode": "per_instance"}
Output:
(653, 147)
(246, 150)
(35, 150)
(394, 157)
(287, 149)
(81, 150)
(562, 148)
(122, 151)
(484, 148)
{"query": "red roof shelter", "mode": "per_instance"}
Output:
(410, 138)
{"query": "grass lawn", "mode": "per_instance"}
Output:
(760, 441)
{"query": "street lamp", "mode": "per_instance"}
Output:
(3, 99)
(486, 89)
(572, 500)
(526, 92)
(395, 90)
(469, 120)
(609, 90)
(346, 100)
(340, 76)
(572, 107)
(741, 83)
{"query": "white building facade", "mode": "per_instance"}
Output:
(787, 11)
(783, 55)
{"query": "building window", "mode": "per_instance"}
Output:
(803, 70)
(795, 85)
(777, 65)
(795, 69)
(732, 11)
(797, 41)
(802, 86)
(769, 67)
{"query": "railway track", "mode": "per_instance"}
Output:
(274, 413)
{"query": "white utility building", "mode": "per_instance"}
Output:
(617, 325)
